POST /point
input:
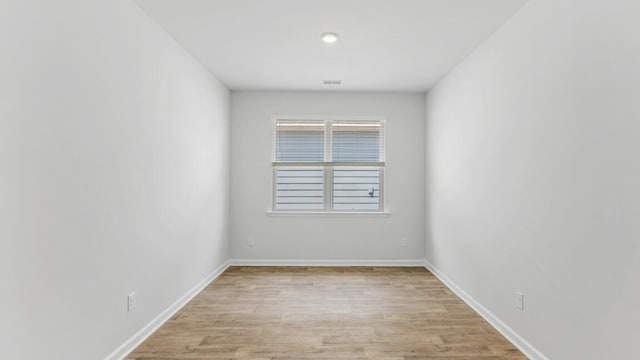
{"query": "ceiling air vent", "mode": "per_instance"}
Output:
(332, 82)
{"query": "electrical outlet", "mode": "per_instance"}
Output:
(520, 300)
(251, 241)
(131, 301)
(403, 242)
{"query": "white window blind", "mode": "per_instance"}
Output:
(300, 188)
(356, 188)
(357, 141)
(299, 140)
(328, 164)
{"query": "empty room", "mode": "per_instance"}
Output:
(327, 179)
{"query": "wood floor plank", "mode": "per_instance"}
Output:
(350, 313)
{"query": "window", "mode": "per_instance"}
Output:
(328, 164)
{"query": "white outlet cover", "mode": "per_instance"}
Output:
(519, 300)
(131, 301)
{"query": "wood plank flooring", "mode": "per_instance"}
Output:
(262, 313)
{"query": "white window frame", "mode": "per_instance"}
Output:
(328, 165)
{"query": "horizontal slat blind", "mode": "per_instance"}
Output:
(356, 189)
(299, 188)
(357, 141)
(329, 164)
(299, 140)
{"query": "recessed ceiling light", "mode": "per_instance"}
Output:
(329, 37)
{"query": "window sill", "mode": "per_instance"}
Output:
(329, 213)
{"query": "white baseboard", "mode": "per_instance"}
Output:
(525, 347)
(128, 346)
(292, 262)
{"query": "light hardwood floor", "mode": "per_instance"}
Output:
(326, 313)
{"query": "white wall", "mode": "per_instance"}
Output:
(534, 178)
(113, 175)
(316, 237)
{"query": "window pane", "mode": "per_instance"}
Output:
(356, 189)
(299, 188)
(357, 141)
(299, 140)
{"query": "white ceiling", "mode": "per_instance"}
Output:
(384, 45)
